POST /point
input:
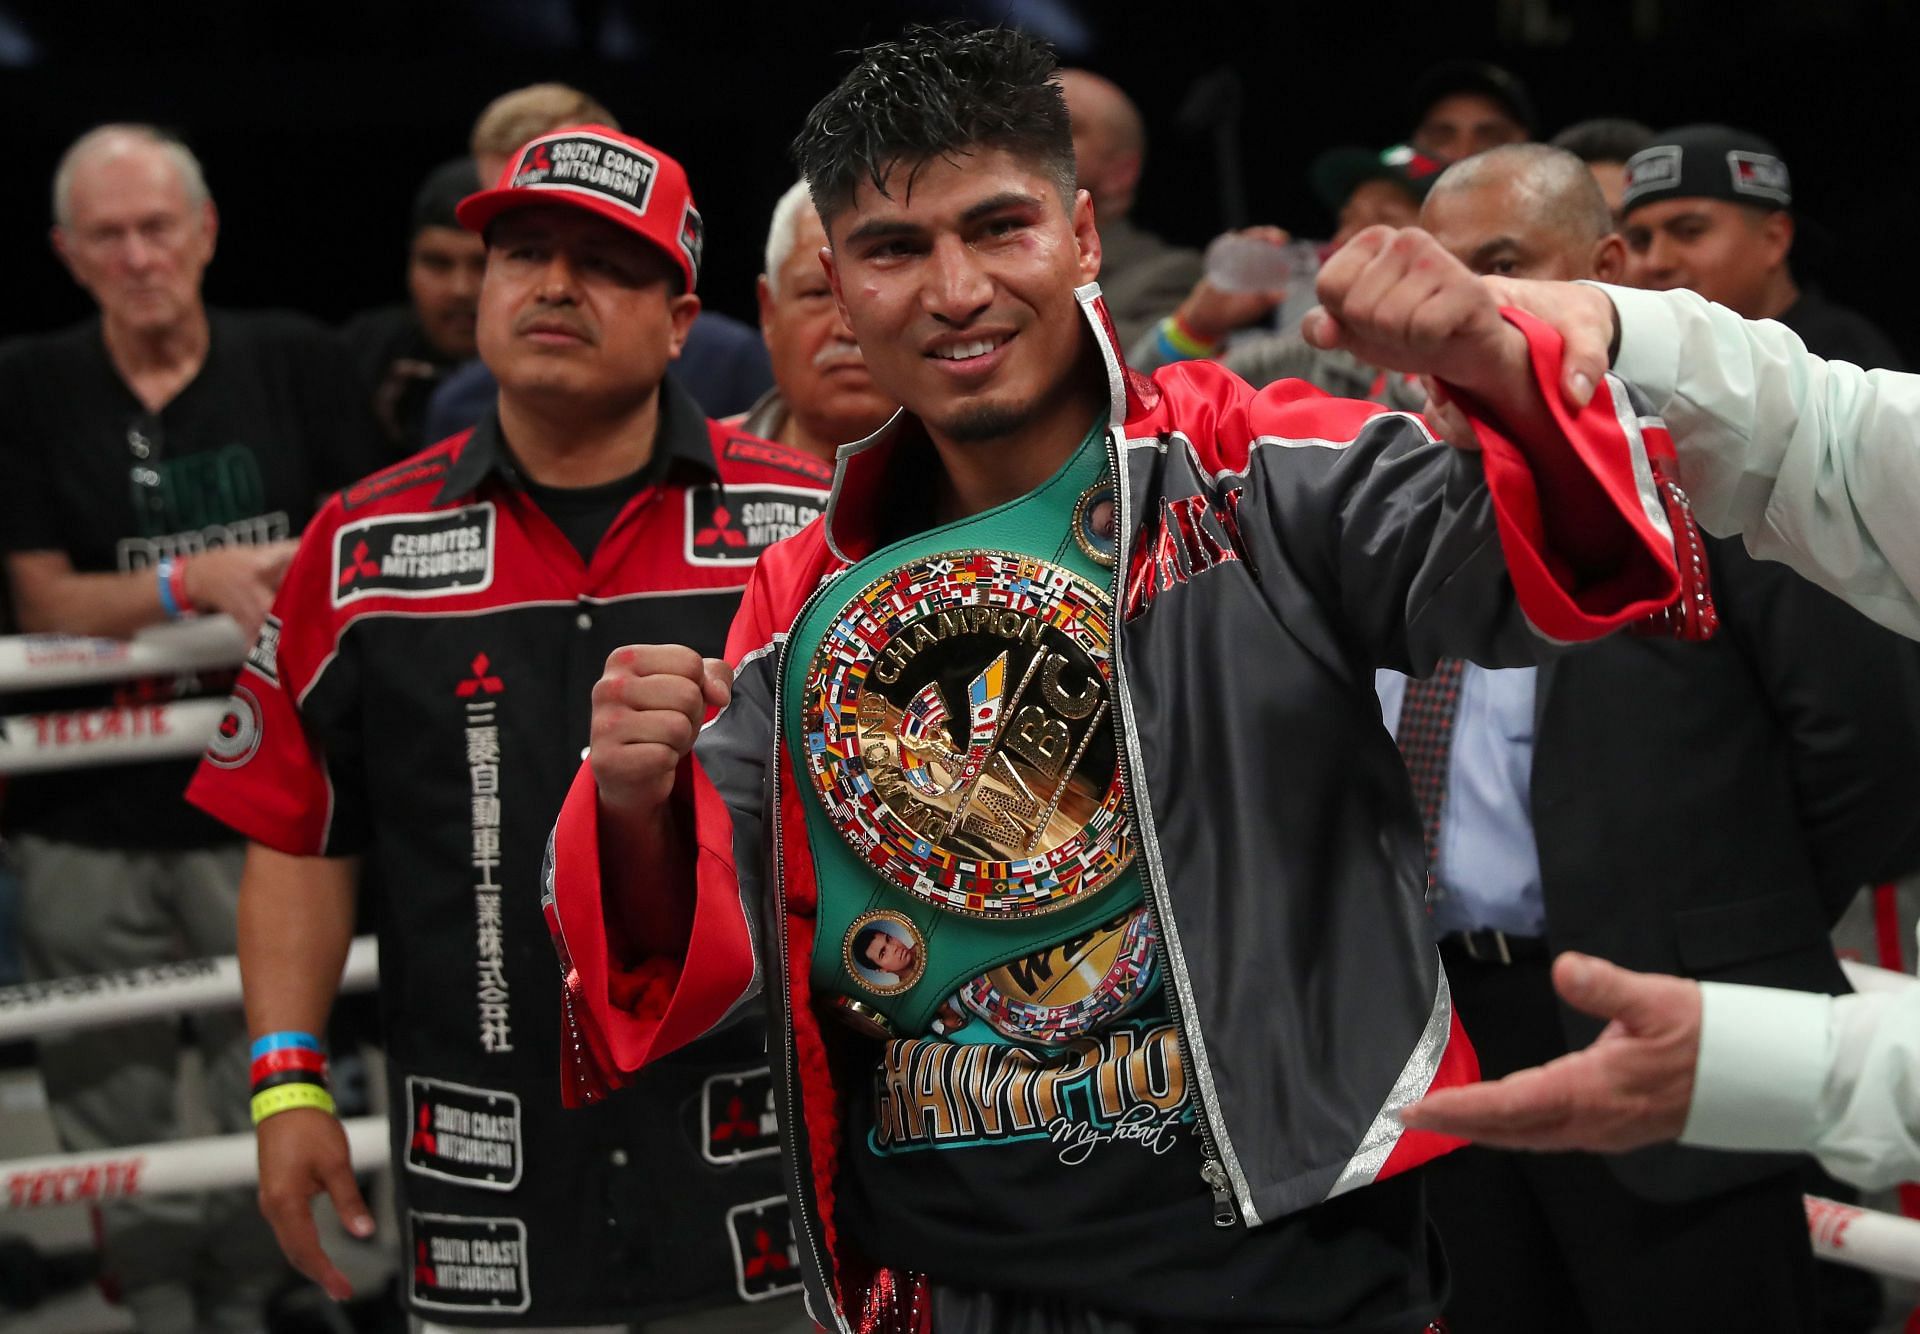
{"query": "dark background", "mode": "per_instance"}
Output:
(316, 120)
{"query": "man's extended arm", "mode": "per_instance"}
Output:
(1836, 1075)
(51, 597)
(1816, 463)
(295, 925)
(1714, 1065)
(1584, 534)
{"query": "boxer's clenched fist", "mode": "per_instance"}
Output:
(647, 711)
(1397, 299)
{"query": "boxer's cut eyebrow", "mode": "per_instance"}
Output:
(881, 229)
(1004, 200)
(887, 228)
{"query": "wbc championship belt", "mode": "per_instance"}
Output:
(967, 819)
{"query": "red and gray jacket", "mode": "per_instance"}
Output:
(1282, 545)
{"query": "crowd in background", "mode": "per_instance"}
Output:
(111, 868)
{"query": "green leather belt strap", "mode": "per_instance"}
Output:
(989, 639)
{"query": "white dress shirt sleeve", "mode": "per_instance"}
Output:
(1817, 463)
(1838, 1076)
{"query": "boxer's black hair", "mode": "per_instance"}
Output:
(863, 941)
(937, 92)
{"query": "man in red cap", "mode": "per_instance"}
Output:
(418, 703)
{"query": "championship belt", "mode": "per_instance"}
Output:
(970, 833)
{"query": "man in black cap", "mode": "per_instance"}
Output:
(1710, 209)
(405, 350)
(1463, 107)
(1361, 187)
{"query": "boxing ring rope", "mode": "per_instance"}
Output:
(1881, 1243)
(37, 1009)
(38, 662)
(1864, 1238)
(165, 1169)
(117, 733)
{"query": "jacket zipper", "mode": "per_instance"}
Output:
(1212, 1170)
(805, 1210)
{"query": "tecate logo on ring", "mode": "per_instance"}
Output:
(51, 731)
(115, 1180)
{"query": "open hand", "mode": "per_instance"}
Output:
(239, 580)
(1631, 1088)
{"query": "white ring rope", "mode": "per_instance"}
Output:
(1880, 1243)
(113, 734)
(39, 662)
(64, 1004)
(162, 1169)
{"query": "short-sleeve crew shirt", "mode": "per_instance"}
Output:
(274, 420)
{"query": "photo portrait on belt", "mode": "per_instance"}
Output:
(884, 952)
(1094, 517)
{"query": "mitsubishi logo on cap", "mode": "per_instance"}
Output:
(579, 160)
(693, 237)
(1760, 174)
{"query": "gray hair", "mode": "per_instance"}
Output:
(110, 139)
(784, 231)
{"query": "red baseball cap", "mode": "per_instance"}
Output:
(599, 169)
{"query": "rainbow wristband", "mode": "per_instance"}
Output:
(1180, 343)
(267, 1042)
(288, 1098)
(168, 602)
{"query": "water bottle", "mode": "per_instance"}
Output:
(1238, 263)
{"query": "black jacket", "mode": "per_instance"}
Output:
(1281, 546)
(1710, 809)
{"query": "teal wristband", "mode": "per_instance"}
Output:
(280, 1041)
(168, 604)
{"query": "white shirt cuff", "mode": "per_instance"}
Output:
(1649, 356)
(1762, 1065)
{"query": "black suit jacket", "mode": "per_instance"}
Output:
(1709, 809)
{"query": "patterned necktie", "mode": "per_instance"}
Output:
(1426, 737)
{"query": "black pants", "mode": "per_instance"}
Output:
(1555, 1244)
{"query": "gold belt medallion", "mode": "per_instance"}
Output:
(960, 737)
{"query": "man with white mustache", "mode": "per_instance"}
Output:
(822, 396)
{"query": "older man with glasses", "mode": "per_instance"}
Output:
(156, 461)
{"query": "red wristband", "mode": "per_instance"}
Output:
(287, 1058)
(177, 584)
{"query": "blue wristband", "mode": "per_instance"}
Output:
(281, 1041)
(173, 609)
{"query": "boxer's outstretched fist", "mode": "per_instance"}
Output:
(1397, 299)
(647, 711)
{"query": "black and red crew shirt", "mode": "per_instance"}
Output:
(420, 698)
